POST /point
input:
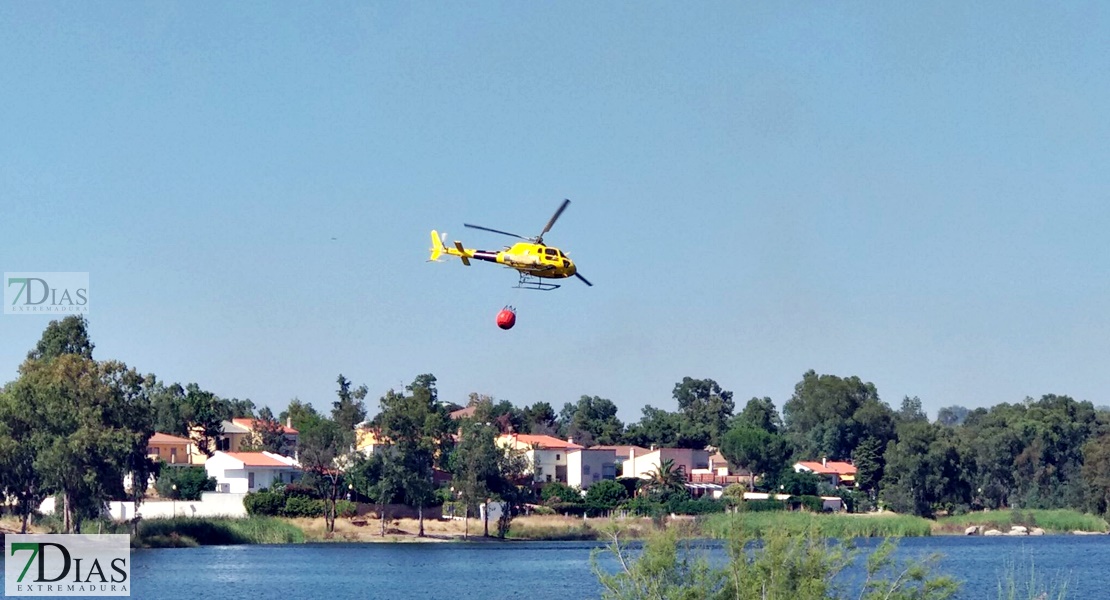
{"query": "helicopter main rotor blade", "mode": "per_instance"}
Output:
(554, 217)
(584, 280)
(496, 231)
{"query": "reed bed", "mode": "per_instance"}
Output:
(1056, 521)
(190, 531)
(759, 524)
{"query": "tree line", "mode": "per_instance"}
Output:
(74, 427)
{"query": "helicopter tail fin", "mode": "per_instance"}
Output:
(437, 246)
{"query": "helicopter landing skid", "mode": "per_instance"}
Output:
(529, 282)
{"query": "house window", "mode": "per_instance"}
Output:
(250, 480)
(173, 455)
(585, 469)
(597, 476)
(154, 450)
(549, 479)
(556, 457)
(539, 470)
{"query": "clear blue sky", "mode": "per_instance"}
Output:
(914, 194)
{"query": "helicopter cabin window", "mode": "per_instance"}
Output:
(551, 253)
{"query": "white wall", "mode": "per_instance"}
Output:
(545, 461)
(211, 504)
(587, 467)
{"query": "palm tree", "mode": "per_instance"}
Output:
(664, 479)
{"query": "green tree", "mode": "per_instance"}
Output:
(1096, 474)
(868, 460)
(830, 415)
(474, 466)
(349, 409)
(761, 413)
(591, 421)
(706, 406)
(911, 411)
(664, 429)
(205, 413)
(923, 470)
(540, 419)
(664, 480)
(483, 471)
(418, 427)
(21, 481)
(81, 436)
(168, 404)
(237, 408)
(184, 483)
(68, 336)
(268, 434)
(302, 415)
(754, 449)
(324, 448)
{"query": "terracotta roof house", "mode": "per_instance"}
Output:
(837, 472)
(170, 449)
(242, 472)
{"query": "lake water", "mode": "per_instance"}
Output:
(539, 570)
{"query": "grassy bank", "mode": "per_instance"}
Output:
(188, 531)
(1052, 521)
(554, 527)
(759, 524)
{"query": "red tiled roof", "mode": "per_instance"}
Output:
(543, 441)
(831, 467)
(165, 438)
(249, 424)
(256, 459)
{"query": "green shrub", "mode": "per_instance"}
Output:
(569, 508)
(304, 491)
(761, 505)
(269, 504)
(557, 492)
(543, 510)
(605, 495)
(810, 503)
(190, 482)
(643, 507)
(346, 509)
(299, 506)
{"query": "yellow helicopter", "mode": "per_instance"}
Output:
(531, 258)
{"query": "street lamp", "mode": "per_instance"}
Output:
(174, 494)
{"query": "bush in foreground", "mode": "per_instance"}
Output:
(781, 567)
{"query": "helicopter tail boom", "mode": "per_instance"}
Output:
(440, 249)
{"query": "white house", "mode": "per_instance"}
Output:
(242, 472)
(547, 455)
(587, 466)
